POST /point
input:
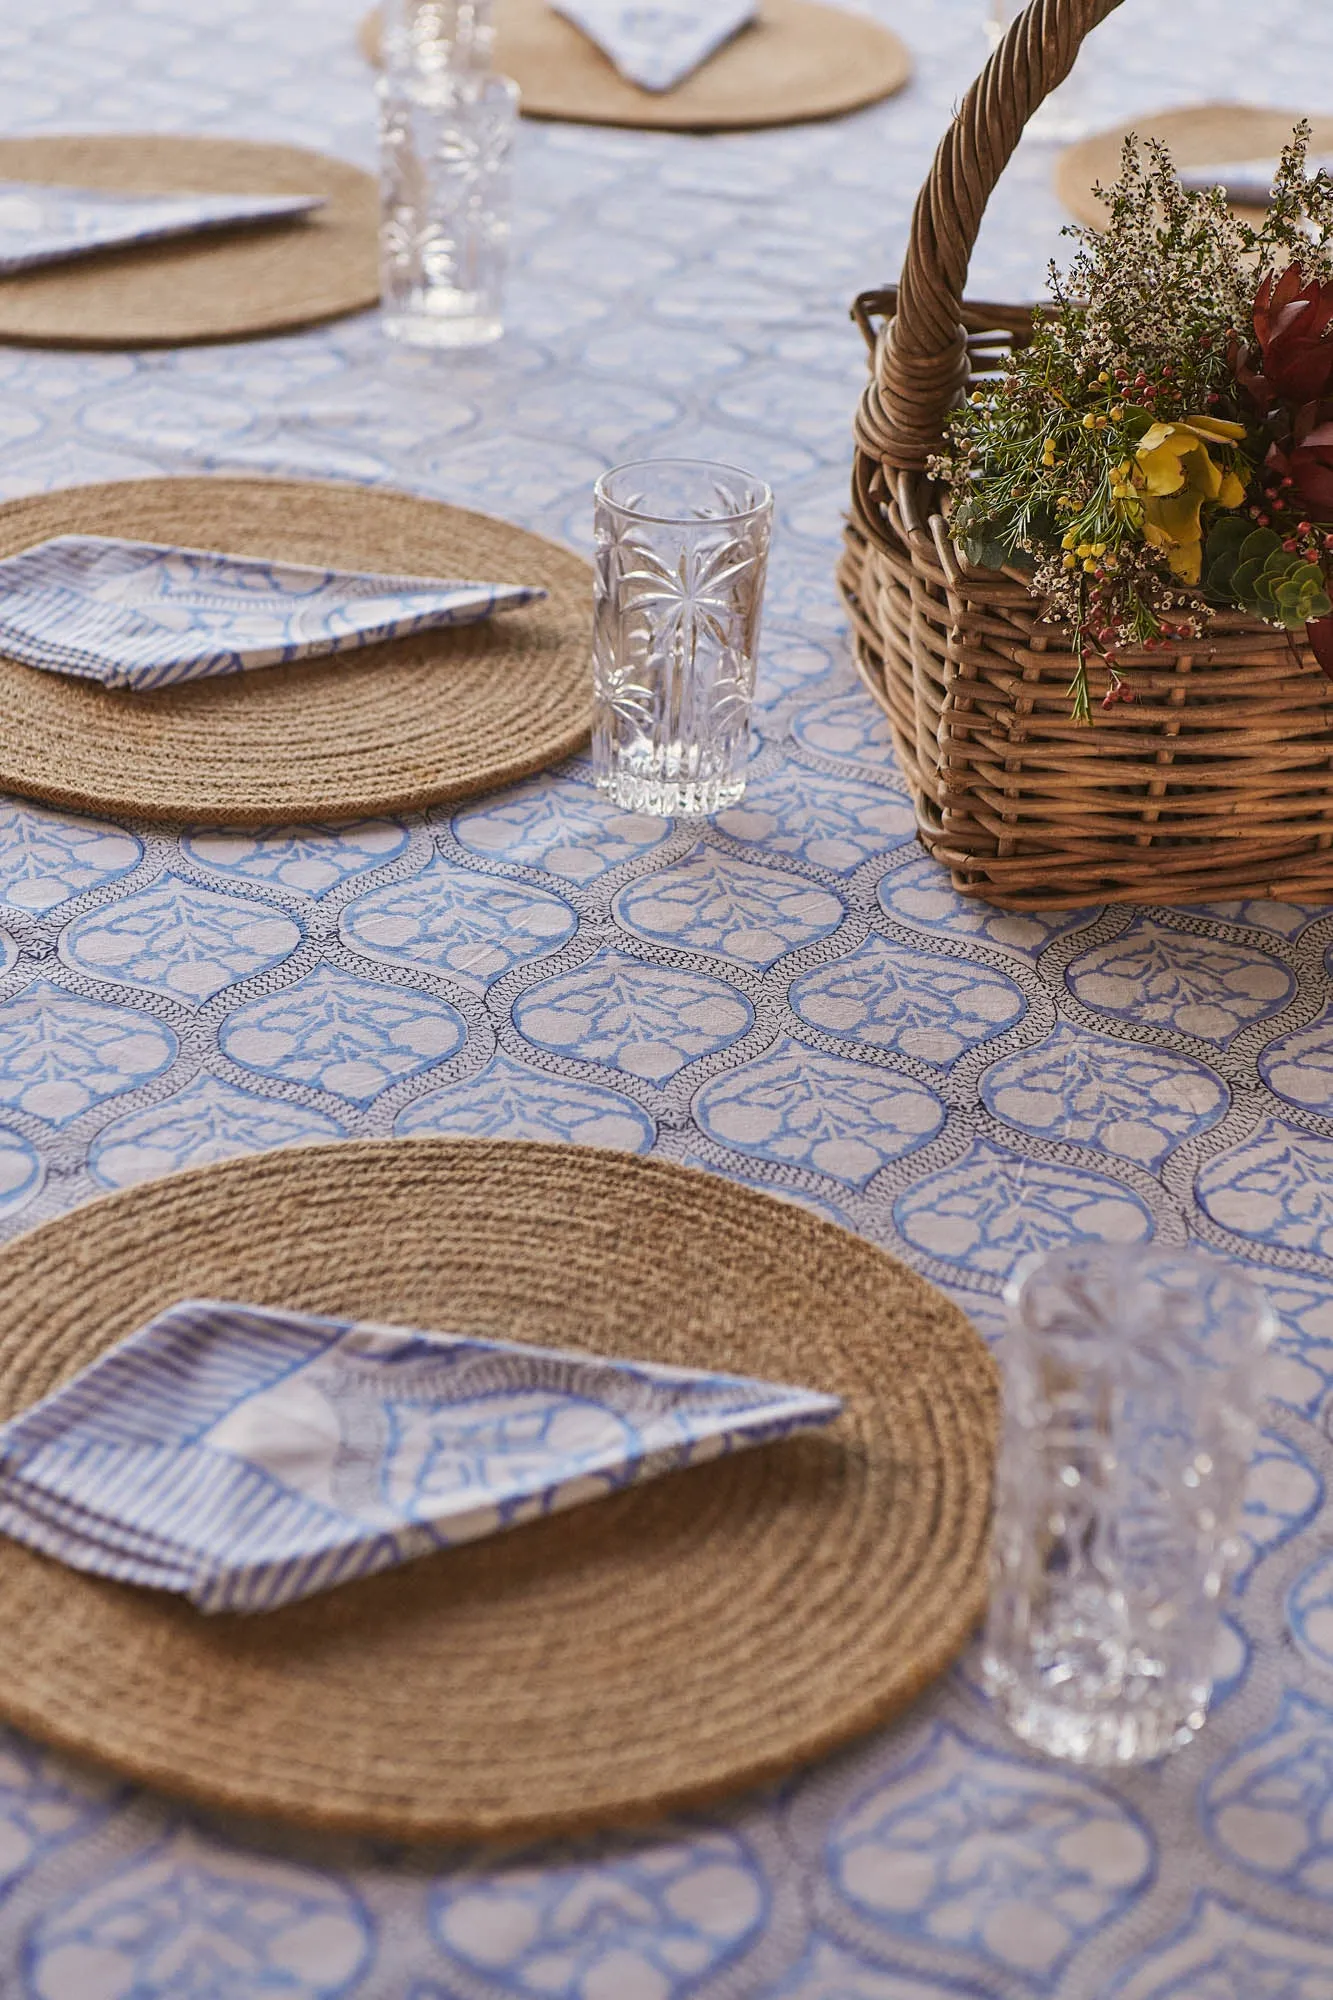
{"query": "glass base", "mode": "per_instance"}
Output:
(671, 798)
(1117, 1735)
(422, 326)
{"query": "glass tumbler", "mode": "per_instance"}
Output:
(446, 144)
(1131, 1389)
(427, 37)
(682, 558)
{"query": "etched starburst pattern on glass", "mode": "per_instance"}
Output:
(1131, 1386)
(682, 556)
(446, 142)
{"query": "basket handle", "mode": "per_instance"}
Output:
(923, 355)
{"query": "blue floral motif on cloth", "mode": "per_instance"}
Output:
(1007, 1864)
(509, 1102)
(918, 894)
(994, 1207)
(642, 1019)
(1138, 1102)
(1226, 1952)
(658, 43)
(41, 1808)
(248, 1458)
(20, 1171)
(657, 1918)
(1159, 975)
(561, 825)
(714, 904)
(180, 940)
(343, 1035)
(845, 1118)
(467, 926)
(189, 1916)
(929, 1007)
(60, 1055)
(1267, 1806)
(46, 858)
(1274, 1187)
(206, 1122)
(1283, 1493)
(311, 860)
(143, 615)
(48, 224)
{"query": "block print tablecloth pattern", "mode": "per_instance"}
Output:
(793, 997)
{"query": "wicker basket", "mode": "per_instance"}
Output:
(1217, 781)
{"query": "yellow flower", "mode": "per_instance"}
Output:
(1176, 474)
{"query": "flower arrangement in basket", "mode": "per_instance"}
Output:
(1090, 560)
(1164, 446)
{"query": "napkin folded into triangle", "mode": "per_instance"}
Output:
(658, 43)
(246, 1457)
(144, 615)
(49, 225)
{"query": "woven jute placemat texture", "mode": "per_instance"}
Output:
(439, 715)
(1202, 135)
(664, 1646)
(799, 61)
(225, 285)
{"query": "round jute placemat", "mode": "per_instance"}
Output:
(665, 1646)
(798, 61)
(226, 285)
(1202, 135)
(437, 716)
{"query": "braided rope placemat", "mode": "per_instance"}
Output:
(226, 285)
(664, 1646)
(440, 715)
(799, 61)
(1202, 135)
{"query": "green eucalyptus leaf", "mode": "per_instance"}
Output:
(1226, 535)
(1243, 582)
(1257, 547)
(984, 552)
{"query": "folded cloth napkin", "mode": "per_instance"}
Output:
(1247, 183)
(142, 615)
(658, 43)
(247, 1458)
(48, 225)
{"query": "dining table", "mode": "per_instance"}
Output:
(791, 994)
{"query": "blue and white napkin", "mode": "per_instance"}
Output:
(48, 225)
(658, 43)
(247, 1458)
(142, 615)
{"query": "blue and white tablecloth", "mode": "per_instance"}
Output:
(793, 997)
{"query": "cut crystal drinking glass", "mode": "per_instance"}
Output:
(682, 557)
(428, 37)
(446, 144)
(1131, 1389)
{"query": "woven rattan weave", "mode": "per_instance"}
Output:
(1216, 780)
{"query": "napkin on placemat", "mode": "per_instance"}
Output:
(142, 615)
(1246, 183)
(658, 43)
(48, 225)
(246, 1457)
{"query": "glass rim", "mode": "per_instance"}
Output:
(1143, 1256)
(677, 520)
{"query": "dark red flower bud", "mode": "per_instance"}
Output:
(1292, 323)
